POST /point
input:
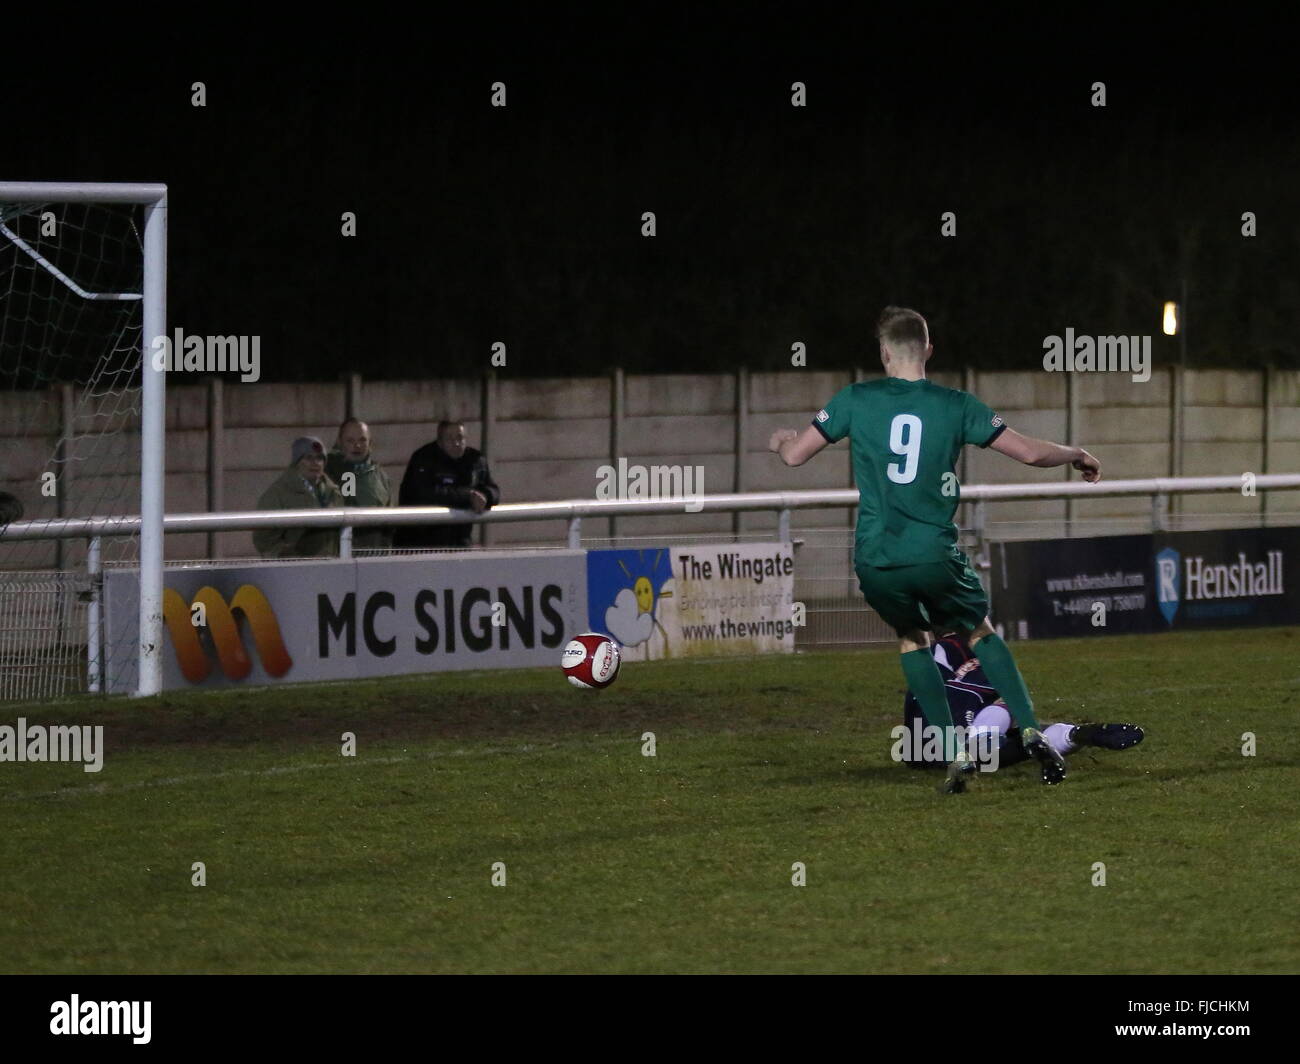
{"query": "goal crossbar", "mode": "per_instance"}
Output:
(80, 192)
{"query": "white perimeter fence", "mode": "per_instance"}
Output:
(51, 622)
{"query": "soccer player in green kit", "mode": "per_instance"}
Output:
(906, 434)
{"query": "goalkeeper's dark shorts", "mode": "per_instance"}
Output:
(934, 595)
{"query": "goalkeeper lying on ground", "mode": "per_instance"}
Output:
(976, 705)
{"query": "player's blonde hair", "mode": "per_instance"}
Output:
(903, 331)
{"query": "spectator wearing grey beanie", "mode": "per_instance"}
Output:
(303, 486)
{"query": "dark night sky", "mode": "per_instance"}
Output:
(775, 224)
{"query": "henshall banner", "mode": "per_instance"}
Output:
(1148, 583)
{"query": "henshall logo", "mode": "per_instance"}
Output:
(1167, 583)
(1190, 578)
(1241, 579)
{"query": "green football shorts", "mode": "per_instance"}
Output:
(934, 595)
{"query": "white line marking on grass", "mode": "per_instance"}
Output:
(288, 770)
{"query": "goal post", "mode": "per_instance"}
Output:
(62, 270)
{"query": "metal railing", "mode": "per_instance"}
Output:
(572, 511)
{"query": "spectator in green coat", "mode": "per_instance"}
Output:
(303, 486)
(361, 482)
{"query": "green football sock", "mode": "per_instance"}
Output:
(925, 681)
(1000, 667)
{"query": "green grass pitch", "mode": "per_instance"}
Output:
(681, 862)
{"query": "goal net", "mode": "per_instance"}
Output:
(72, 400)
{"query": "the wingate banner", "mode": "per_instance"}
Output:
(687, 601)
(333, 620)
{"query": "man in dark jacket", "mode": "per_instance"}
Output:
(446, 473)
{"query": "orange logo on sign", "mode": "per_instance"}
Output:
(224, 629)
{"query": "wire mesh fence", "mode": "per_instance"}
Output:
(43, 635)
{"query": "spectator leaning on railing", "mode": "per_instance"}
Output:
(303, 486)
(368, 484)
(448, 473)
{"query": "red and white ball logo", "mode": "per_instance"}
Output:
(590, 660)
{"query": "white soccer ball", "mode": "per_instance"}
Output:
(591, 660)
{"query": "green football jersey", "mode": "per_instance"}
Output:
(906, 436)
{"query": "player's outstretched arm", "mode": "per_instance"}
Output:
(796, 447)
(1045, 454)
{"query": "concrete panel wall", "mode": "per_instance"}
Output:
(548, 438)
